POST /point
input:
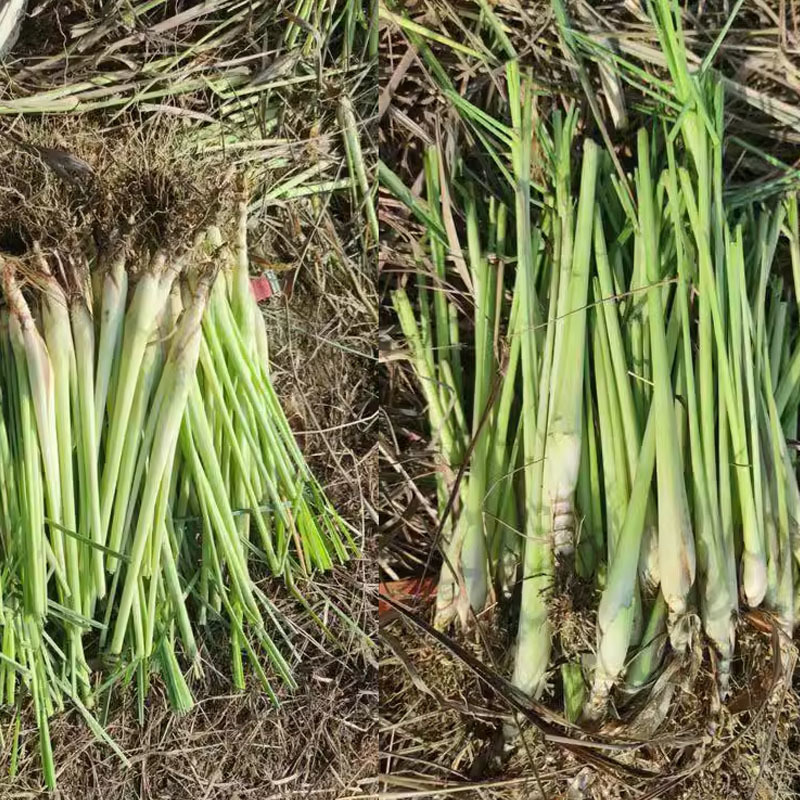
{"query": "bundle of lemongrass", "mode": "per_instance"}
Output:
(632, 388)
(145, 467)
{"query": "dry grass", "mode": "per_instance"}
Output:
(320, 743)
(442, 731)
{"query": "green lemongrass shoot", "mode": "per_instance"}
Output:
(676, 542)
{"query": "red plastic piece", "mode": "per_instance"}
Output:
(405, 590)
(262, 289)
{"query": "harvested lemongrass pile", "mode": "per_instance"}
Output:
(146, 468)
(630, 370)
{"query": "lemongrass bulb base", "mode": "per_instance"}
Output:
(446, 600)
(533, 655)
(649, 572)
(563, 459)
(681, 627)
(596, 705)
(754, 578)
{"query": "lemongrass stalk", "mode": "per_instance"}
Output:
(178, 692)
(201, 434)
(631, 433)
(215, 370)
(246, 314)
(31, 500)
(219, 520)
(205, 595)
(563, 428)
(167, 327)
(58, 339)
(705, 389)
(150, 370)
(149, 297)
(112, 315)
(726, 496)
(236, 449)
(40, 698)
(637, 380)
(291, 469)
(8, 486)
(473, 558)
(615, 618)
(649, 655)
(243, 303)
(753, 556)
(783, 600)
(574, 690)
(40, 379)
(181, 365)
(533, 635)
(565, 406)
(433, 173)
(637, 324)
(275, 656)
(615, 472)
(83, 333)
(778, 338)
(174, 591)
(501, 469)
(237, 663)
(718, 605)
(157, 538)
(751, 344)
(771, 544)
(563, 133)
(589, 492)
(722, 502)
(445, 312)
(616, 612)
(615, 468)
(676, 542)
(511, 547)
